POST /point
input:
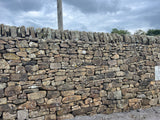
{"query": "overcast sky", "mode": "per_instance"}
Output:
(83, 15)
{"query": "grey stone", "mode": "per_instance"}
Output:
(55, 65)
(22, 115)
(13, 31)
(2, 85)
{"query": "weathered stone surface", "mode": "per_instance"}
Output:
(68, 116)
(2, 85)
(54, 102)
(115, 95)
(50, 117)
(8, 116)
(11, 56)
(23, 31)
(13, 31)
(53, 94)
(4, 64)
(1, 47)
(68, 93)
(66, 87)
(69, 99)
(12, 90)
(22, 115)
(55, 65)
(19, 77)
(33, 44)
(43, 46)
(82, 111)
(20, 69)
(120, 74)
(1, 93)
(60, 78)
(37, 95)
(31, 50)
(3, 101)
(22, 44)
(28, 105)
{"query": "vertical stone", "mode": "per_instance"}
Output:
(53, 34)
(2, 30)
(23, 31)
(27, 32)
(32, 33)
(6, 29)
(38, 32)
(19, 32)
(13, 30)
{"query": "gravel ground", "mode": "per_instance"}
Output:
(147, 114)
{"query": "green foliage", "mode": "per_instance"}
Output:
(121, 32)
(153, 32)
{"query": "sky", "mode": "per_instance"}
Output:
(83, 15)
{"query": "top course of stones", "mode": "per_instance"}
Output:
(47, 33)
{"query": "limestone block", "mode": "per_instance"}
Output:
(3, 101)
(22, 44)
(69, 99)
(12, 90)
(36, 95)
(4, 64)
(22, 114)
(13, 30)
(55, 65)
(11, 56)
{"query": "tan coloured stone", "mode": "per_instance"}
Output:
(8, 116)
(22, 54)
(12, 90)
(120, 74)
(71, 98)
(3, 101)
(60, 78)
(116, 56)
(68, 116)
(11, 56)
(4, 64)
(67, 93)
(50, 117)
(22, 44)
(37, 95)
(28, 105)
(55, 101)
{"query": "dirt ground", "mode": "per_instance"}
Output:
(147, 114)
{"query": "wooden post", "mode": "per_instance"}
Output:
(60, 14)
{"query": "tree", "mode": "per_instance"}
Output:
(121, 32)
(140, 32)
(153, 32)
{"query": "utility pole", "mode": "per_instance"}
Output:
(60, 14)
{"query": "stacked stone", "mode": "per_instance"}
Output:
(61, 78)
(47, 33)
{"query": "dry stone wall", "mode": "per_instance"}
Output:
(48, 74)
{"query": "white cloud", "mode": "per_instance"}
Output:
(83, 15)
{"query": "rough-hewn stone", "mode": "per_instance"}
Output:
(12, 90)
(37, 95)
(4, 64)
(50, 74)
